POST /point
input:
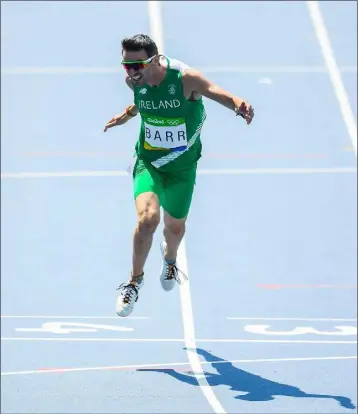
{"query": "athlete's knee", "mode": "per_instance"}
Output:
(148, 211)
(148, 220)
(174, 226)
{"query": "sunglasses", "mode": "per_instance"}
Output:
(136, 64)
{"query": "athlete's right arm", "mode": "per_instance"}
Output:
(130, 112)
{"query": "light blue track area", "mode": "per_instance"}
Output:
(267, 322)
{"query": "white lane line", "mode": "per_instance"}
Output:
(93, 339)
(97, 70)
(333, 70)
(52, 174)
(68, 317)
(173, 364)
(266, 171)
(232, 171)
(189, 334)
(183, 340)
(274, 69)
(244, 318)
(156, 26)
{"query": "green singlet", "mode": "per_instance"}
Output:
(169, 143)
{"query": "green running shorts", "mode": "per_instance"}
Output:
(174, 189)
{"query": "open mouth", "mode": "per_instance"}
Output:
(137, 77)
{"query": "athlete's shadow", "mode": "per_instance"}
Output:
(256, 387)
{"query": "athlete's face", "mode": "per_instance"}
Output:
(138, 66)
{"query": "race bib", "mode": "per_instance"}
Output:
(164, 133)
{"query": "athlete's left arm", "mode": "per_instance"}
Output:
(194, 81)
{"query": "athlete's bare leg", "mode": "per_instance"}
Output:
(148, 212)
(174, 230)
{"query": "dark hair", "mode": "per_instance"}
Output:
(140, 42)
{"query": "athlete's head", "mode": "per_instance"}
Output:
(140, 58)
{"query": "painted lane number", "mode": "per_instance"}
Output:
(71, 327)
(301, 330)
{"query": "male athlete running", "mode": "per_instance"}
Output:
(168, 95)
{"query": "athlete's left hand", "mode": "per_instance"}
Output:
(246, 111)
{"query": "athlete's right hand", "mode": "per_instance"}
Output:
(117, 120)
